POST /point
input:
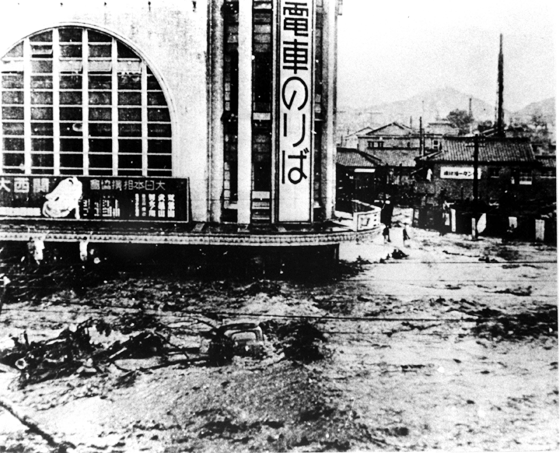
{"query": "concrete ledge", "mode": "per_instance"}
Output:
(183, 234)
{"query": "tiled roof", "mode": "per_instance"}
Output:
(394, 128)
(395, 157)
(349, 157)
(441, 127)
(362, 131)
(489, 151)
(547, 161)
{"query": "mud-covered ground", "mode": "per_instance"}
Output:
(454, 347)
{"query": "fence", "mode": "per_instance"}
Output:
(521, 227)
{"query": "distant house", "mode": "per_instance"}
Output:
(392, 135)
(356, 178)
(396, 167)
(396, 135)
(395, 146)
(351, 140)
(508, 172)
(441, 128)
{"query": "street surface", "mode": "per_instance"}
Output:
(453, 347)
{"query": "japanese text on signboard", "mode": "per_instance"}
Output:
(296, 103)
(458, 173)
(97, 198)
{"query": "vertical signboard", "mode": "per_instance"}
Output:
(295, 110)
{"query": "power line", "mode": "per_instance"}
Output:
(211, 314)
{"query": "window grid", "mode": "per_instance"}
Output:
(85, 105)
(231, 30)
(261, 174)
(77, 101)
(56, 103)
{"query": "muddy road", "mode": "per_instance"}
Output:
(454, 347)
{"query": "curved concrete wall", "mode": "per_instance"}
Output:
(171, 35)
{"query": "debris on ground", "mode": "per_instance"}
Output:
(374, 393)
(398, 254)
(519, 291)
(138, 320)
(302, 341)
(56, 357)
(493, 324)
(74, 351)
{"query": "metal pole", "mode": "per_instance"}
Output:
(475, 186)
(475, 176)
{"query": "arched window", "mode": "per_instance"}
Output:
(76, 101)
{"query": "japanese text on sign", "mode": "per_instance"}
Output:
(109, 198)
(367, 220)
(458, 173)
(295, 105)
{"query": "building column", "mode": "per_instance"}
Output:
(216, 148)
(244, 118)
(328, 146)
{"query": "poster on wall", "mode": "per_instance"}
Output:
(295, 101)
(94, 198)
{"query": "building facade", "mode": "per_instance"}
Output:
(356, 176)
(398, 136)
(237, 98)
(507, 172)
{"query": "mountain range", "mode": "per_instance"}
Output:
(546, 108)
(433, 105)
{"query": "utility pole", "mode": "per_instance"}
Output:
(421, 139)
(475, 187)
(475, 176)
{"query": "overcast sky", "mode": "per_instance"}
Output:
(392, 50)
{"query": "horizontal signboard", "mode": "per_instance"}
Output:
(458, 173)
(90, 197)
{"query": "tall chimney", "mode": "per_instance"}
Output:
(500, 108)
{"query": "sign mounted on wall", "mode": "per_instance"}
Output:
(367, 220)
(94, 198)
(458, 173)
(295, 101)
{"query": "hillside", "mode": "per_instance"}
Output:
(429, 105)
(546, 108)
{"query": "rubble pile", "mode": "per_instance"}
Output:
(57, 357)
(302, 341)
(493, 324)
(76, 351)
